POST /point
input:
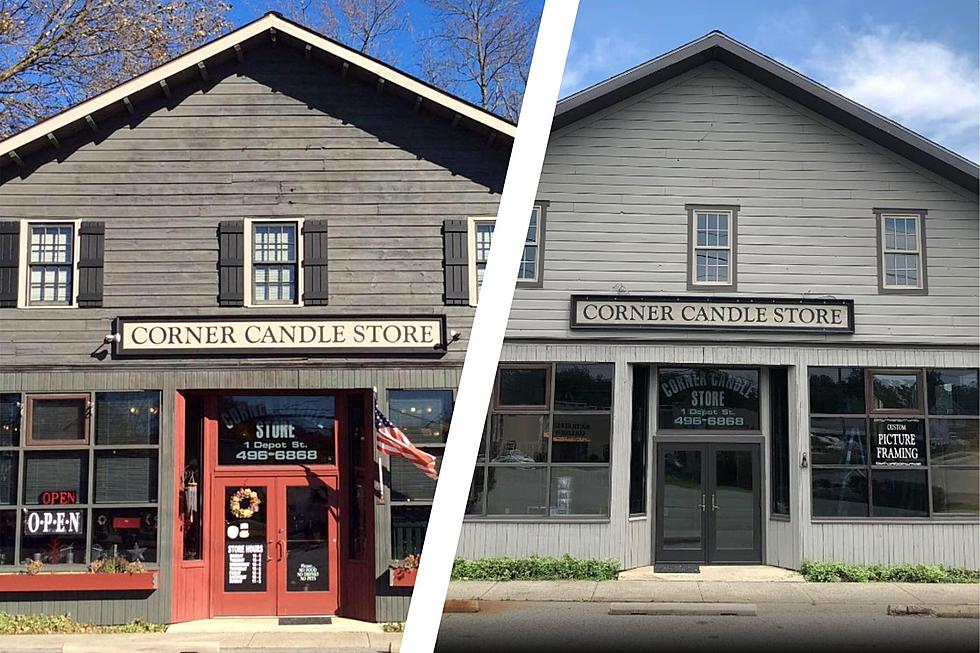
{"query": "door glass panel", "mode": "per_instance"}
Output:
(307, 562)
(246, 523)
(682, 491)
(734, 501)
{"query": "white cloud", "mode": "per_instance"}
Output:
(923, 84)
(603, 57)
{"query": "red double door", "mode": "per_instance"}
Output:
(274, 544)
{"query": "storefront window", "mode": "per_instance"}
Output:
(424, 416)
(74, 463)
(890, 456)
(276, 430)
(545, 451)
(639, 436)
(708, 399)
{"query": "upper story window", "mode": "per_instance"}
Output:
(51, 264)
(275, 262)
(901, 252)
(480, 237)
(712, 246)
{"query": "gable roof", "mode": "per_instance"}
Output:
(195, 62)
(717, 46)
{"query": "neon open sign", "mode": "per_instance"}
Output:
(58, 498)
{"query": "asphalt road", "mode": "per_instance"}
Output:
(517, 627)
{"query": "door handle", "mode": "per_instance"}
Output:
(714, 505)
(268, 557)
(279, 548)
(701, 505)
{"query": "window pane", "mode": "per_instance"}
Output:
(517, 491)
(895, 391)
(275, 243)
(54, 549)
(51, 244)
(55, 471)
(125, 476)
(712, 266)
(523, 387)
(58, 419)
(954, 442)
(8, 478)
(474, 503)
(639, 436)
(838, 441)
(275, 430)
(901, 233)
(9, 420)
(519, 438)
(532, 226)
(779, 410)
(580, 491)
(8, 532)
(484, 236)
(580, 438)
(897, 441)
(899, 493)
(529, 262)
(953, 392)
(127, 532)
(837, 390)
(955, 490)
(408, 525)
(127, 417)
(714, 399)
(840, 492)
(902, 270)
(423, 415)
(408, 483)
(583, 386)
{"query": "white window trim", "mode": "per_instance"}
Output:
(883, 250)
(249, 291)
(23, 265)
(695, 247)
(471, 222)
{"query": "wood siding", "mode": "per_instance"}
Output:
(274, 136)
(785, 543)
(618, 182)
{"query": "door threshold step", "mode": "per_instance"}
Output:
(305, 621)
(684, 609)
(676, 568)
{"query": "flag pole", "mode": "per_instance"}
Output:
(381, 474)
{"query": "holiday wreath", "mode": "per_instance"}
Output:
(243, 495)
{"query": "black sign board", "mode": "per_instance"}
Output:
(245, 566)
(898, 442)
(276, 430)
(708, 399)
(53, 522)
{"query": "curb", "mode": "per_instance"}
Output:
(131, 647)
(684, 609)
(942, 611)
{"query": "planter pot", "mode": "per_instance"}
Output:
(82, 582)
(401, 577)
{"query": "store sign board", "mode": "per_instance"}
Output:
(280, 335)
(53, 522)
(787, 314)
(715, 399)
(898, 442)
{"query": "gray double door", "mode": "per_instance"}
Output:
(709, 503)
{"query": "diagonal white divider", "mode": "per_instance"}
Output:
(489, 325)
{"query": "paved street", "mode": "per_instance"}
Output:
(571, 627)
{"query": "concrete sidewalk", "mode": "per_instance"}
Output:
(676, 591)
(213, 635)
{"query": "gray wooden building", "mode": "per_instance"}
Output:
(745, 331)
(206, 273)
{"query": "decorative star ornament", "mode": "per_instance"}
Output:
(136, 553)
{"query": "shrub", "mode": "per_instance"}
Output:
(40, 624)
(535, 568)
(833, 572)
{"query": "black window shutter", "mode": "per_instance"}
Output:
(456, 263)
(9, 262)
(231, 263)
(315, 292)
(91, 256)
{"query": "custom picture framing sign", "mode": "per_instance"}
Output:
(898, 442)
(786, 314)
(269, 335)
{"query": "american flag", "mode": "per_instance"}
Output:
(393, 442)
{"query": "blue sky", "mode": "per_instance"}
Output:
(913, 61)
